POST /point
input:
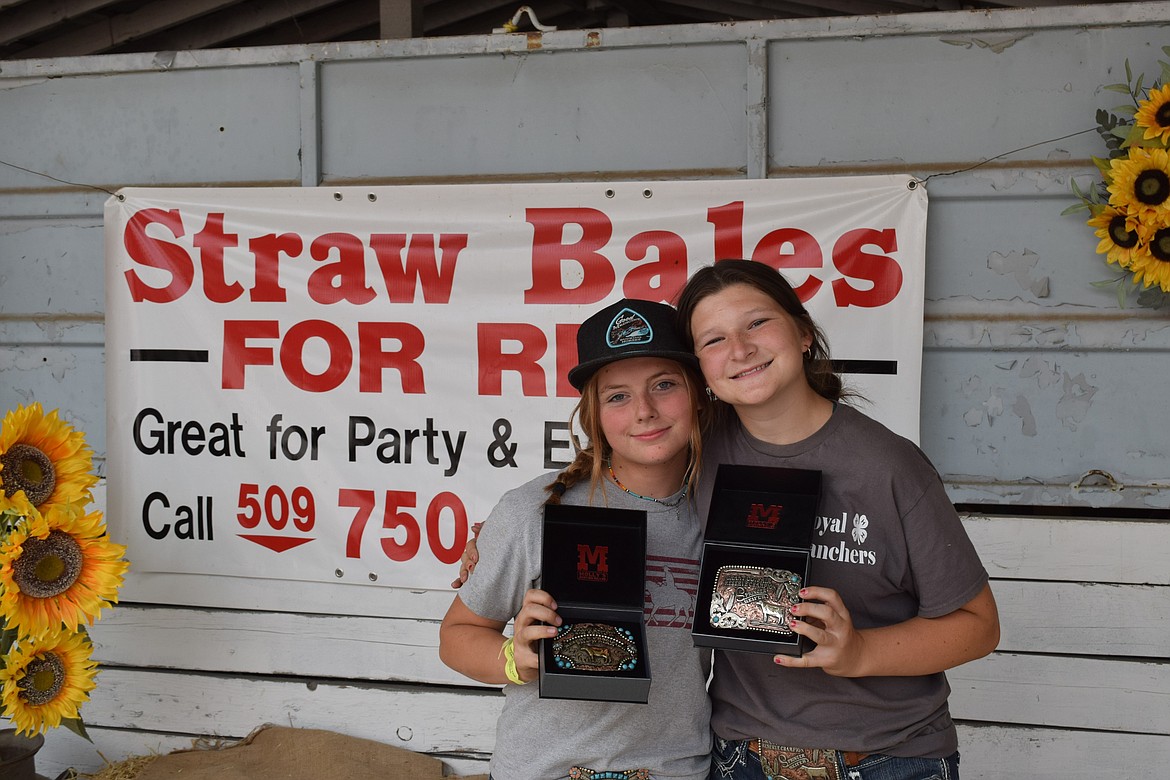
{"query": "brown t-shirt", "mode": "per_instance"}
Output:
(889, 541)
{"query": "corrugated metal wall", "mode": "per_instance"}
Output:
(1033, 378)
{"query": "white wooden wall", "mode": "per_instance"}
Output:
(1032, 377)
(1078, 689)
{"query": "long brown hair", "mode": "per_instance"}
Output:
(818, 367)
(591, 457)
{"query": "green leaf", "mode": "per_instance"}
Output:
(1128, 72)
(1103, 166)
(1121, 294)
(1122, 88)
(7, 640)
(1134, 137)
(1126, 110)
(77, 727)
(1151, 298)
(1073, 209)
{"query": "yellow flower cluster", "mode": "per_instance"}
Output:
(58, 571)
(1130, 208)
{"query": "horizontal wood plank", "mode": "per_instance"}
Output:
(1072, 550)
(419, 718)
(991, 752)
(1089, 693)
(1083, 618)
(273, 643)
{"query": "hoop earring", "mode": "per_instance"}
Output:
(807, 353)
(711, 395)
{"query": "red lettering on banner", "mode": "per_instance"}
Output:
(728, 222)
(267, 251)
(239, 353)
(345, 279)
(670, 269)
(792, 248)
(436, 276)
(566, 345)
(549, 252)
(882, 270)
(292, 356)
(374, 360)
(493, 361)
(156, 253)
(211, 241)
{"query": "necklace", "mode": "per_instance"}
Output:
(664, 502)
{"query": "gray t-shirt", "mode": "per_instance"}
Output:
(541, 739)
(889, 541)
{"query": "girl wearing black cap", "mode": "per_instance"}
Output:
(900, 593)
(639, 409)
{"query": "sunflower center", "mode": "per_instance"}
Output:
(1120, 235)
(1160, 245)
(1152, 187)
(1162, 115)
(44, 677)
(27, 468)
(48, 567)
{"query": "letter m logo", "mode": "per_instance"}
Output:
(761, 516)
(591, 563)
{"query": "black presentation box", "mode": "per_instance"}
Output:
(761, 518)
(593, 563)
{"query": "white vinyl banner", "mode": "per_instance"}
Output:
(331, 385)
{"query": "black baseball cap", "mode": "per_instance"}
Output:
(627, 329)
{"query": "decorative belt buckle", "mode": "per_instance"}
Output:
(594, 647)
(749, 597)
(780, 762)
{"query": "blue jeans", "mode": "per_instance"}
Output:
(731, 760)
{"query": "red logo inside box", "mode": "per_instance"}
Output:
(591, 563)
(766, 517)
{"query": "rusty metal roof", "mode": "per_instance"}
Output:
(70, 28)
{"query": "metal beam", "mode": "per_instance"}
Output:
(123, 28)
(32, 18)
(401, 18)
(243, 20)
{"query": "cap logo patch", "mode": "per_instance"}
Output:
(628, 328)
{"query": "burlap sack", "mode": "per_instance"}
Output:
(281, 753)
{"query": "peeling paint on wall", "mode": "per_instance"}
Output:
(1074, 404)
(1020, 267)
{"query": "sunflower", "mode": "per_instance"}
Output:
(46, 680)
(58, 572)
(1119, 232)
(17, 511)
(45, 457)
(1154, 114)
(1151, 263)
(1140, 183)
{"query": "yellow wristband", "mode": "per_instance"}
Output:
(510, 663)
